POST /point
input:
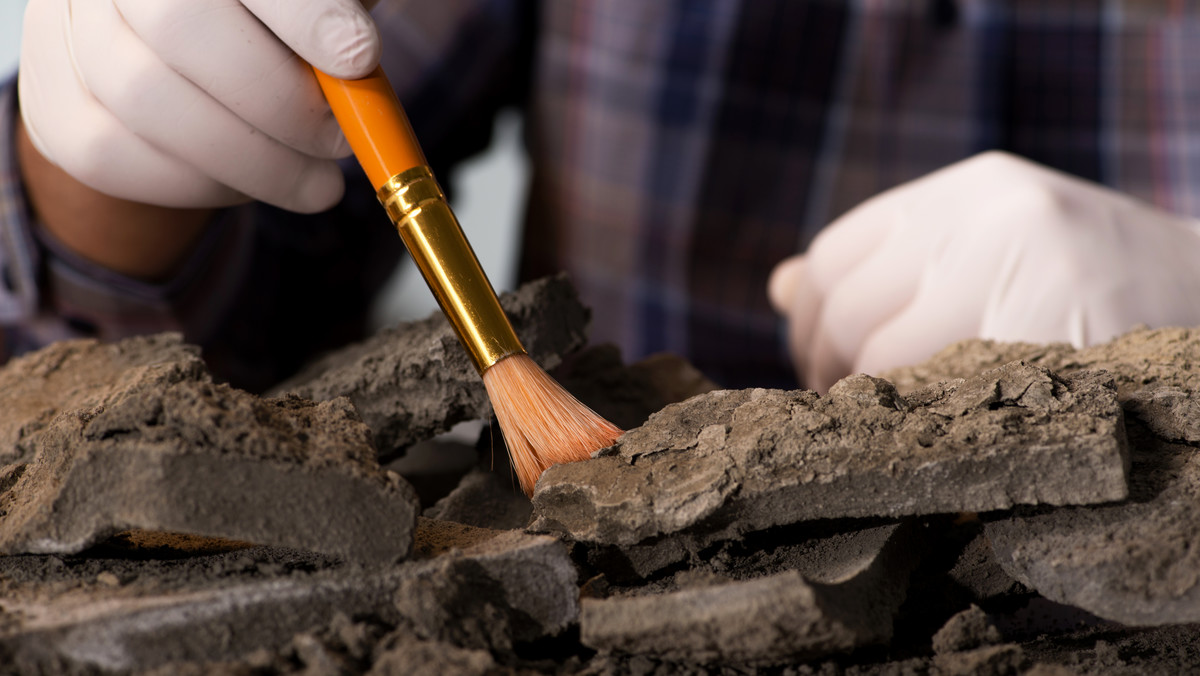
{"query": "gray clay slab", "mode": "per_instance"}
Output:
(135, 435)
(730, 462)
(474, 588)
(1136, 563)
(842, 594)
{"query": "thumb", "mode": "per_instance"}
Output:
(784, 280)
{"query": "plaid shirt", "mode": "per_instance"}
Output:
(680, 148)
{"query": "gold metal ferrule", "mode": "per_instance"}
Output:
(418, 207)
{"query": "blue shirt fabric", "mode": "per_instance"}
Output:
(679, 150)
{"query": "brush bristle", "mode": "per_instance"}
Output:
(542, 423)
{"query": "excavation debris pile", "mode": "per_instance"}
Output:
(1000, 509)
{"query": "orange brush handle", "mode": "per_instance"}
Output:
(374, 124)
(382, 139)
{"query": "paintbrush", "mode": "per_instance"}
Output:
(541, 422)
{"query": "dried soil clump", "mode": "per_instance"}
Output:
(734, 461)
(137, 436)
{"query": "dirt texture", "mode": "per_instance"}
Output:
(968, 630)
(414, 381)
(734, 461)
(486, 591)
(484, 499)
(1132, 562)
(824, 595)
(1157, 373)
(143, 439)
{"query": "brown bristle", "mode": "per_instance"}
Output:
(542, 423)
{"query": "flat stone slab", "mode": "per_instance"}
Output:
(1156, 372)
(731, 462)
(145, 440)
(1133, 563)
(842, 593)
(472, 588)
(414, 381)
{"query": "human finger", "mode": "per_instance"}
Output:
(223, 49)
(198, 130)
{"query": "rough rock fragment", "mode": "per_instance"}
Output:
(147, 441)
(1135, 562)
(773, 618)
(978, 574)
(406, 655)
(80, 374)
(995, 660)
(119, 631)
(489, 588)
(1132, 562)
(514, 587)
(735, 461)
(483, 499)
(414, 381)
(626, 394)
(967, 630)
(832, 594)
(968, 358)
(1156, 372)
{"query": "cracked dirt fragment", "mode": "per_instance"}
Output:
(734, 461)
(135, 435)
(1133, 562)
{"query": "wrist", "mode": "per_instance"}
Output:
(143, 241)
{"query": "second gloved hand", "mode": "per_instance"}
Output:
(992, 247)
(194, 103)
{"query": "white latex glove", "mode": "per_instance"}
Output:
(193, 103)
(991, 247)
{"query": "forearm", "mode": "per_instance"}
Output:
(139, 240)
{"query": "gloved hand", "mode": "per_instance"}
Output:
(991, 247)
(193, 103)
